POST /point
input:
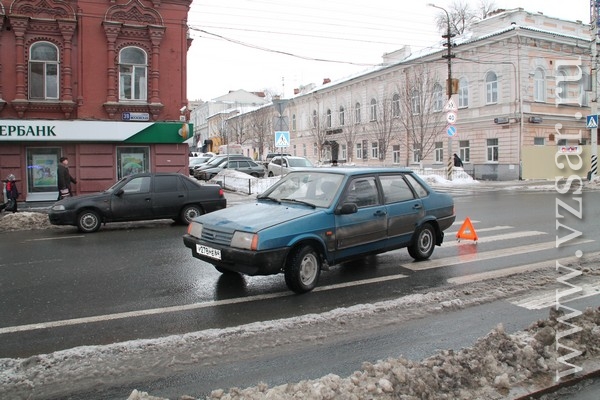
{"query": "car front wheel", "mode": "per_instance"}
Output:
(88, 221)
(424, 243)
(303, 270)
(189, 212)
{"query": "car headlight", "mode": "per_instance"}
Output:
(195, 229)
(58, 208)
(245, 240)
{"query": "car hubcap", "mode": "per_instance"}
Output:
(425, 241)
(309, 269)
(88, 221)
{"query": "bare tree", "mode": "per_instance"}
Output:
(349, 133)
(461, 17)
(261, 128)
(486, 7)
(384, 123)
(317, 124)
(420, 110)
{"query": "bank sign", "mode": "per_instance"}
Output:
(93, 131)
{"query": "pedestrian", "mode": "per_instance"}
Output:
(12, 193)
(64, 179)
(457, 161)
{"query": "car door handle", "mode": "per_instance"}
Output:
(147, 199)
(180, 196)
(379, 213)
(417, 206)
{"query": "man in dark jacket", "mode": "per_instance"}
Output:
(64, 179)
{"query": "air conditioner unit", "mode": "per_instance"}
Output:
(535, 120)
(501, 120)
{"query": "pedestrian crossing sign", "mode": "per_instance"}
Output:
(591, 121)
(282, 139)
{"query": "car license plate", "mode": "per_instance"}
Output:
(208, 251)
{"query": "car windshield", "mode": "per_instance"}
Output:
(112, 188)
(198, 160)
(299, 162)
(308, 187)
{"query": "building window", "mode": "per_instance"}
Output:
(416, 155)
(304, 152)
(132, 74)
(539, 141)
(294, 122)
(464, 151)
(315, 150)
(491, 88)
(359, 151)
(343, 151)
(396, 105)
(357, 118)
(43, 71)
(132, 160)
(374, 150)
(439, 152)
(415, 102)
(539, 85)
(396, 154)
(328, 118)
(463, 93)
(438, 97)
(342, 116)
(492, 150)
(373, 109)
(314, 119)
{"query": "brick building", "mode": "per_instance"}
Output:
(101, 82)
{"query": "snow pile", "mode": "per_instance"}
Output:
(24, 221)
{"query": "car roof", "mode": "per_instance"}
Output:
(352, 171)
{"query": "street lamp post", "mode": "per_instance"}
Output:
(448, 56)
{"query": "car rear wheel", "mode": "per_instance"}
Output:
(424, 243)
(303, 270)
(189, 212)
(88, 221)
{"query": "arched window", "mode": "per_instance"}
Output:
(133, 67)
(491, 88)
(342, 116)
(373, 109)
(357, 117)
(314, 119)
(463, 93)
(415, 102)
(328, 118)
(539, 85)
(43, 71)
(396, 105)
(438, 97)
(294, 122)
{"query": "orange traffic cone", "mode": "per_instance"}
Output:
(467, 231)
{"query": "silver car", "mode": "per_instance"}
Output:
(281, 165)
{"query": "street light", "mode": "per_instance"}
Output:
(448, 56)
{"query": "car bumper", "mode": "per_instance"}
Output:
(248, 262)
(62, 217)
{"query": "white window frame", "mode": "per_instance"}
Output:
(539, 85)
(463, 93)
(44, 71)
(415, 102)
(357, 116)
(438, 97)
(373, 109)
(396, 105)
(328, 118)
(491, 154)
(133, 74)
(464, 151)
(396, 154)
(439, 152)
(342, 116)
(375, 150)
(491, 88)
(359, 151)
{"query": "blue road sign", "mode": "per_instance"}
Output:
(451, 130)
(591, 121)
(282, 138)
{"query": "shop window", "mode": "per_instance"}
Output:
(42, 165)
(132, 160)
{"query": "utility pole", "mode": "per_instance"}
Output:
(595, 22)
(449, 88)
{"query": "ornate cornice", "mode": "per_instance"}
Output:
(134, 13)
(22, 106)
(44, 9)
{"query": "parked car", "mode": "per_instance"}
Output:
(246, 166)
(281, 165)
(319, 217)
(216, 161)
(197, 161)
(270, 156)
(137, 197)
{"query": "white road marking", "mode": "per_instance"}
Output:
(488, 239)
(54, 238)
(185, 307)
(486, 255)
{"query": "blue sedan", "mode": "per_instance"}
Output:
(318, 217)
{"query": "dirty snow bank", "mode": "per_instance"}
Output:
(496, 366)
(24, 221)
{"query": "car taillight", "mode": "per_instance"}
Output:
(221, 193)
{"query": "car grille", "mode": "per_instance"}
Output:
(216, 236)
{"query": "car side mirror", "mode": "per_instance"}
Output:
(348, 208)
(119, 192)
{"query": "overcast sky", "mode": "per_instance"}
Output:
(280, 45)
